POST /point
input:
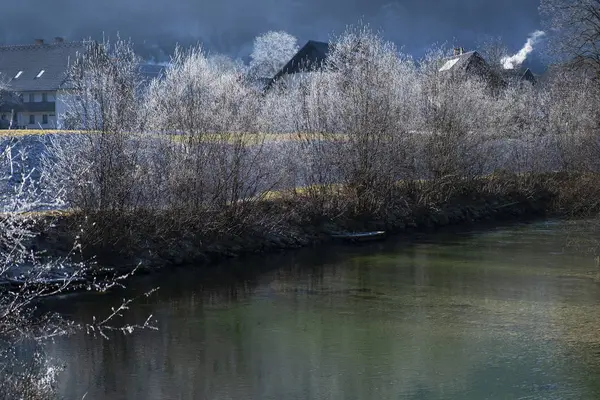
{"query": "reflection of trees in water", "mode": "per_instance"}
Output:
(231, 351)
(444, 318)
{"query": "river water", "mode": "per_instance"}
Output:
(497, 313)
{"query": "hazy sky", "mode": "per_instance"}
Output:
(229, 26)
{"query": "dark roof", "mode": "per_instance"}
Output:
(151, 71)
(471, 64)
(309, 58)
(518, 75)
(53, 59)
(463, 62)
(528, 76)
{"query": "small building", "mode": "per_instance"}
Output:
(149, 71)
(34, 76)
(518, 76)
(309, 58)
(472, 64)
(464, 65)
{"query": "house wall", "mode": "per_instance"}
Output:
(38, 120)
(22, 120)
(63, 99)
(38, 96)
(55, 109)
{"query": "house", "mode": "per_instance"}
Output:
(472, 64)
(309, 58)
(464, 65)
(518, 76)
(36, 91)
(148, 72)
(34, 77)
(528, 77)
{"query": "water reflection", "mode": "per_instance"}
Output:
(494, 314)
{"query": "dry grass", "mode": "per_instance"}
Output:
(35, 132)
(257, 138)
(299, 191)
(246, 138)
(39, 214)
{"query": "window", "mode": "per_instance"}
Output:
(44, 119)
(31, 119)
(3, 117)
(40, 74)
(44, 97)
(31, 97)
(18, 74)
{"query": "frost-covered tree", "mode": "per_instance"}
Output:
(493, 50)
(574, 27)
(35, 177)
(271, 52)
(214, 113)
(106, 88)
(28, 276)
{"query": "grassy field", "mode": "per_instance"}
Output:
(250, 138)
(255, 138)
(6, 133)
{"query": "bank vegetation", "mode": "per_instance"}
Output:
(381, 140)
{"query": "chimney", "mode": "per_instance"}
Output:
(459, 51)
(39, 41)
(58, 39)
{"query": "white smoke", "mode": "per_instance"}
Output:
(518, 59)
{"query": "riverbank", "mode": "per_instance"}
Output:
(154, 241)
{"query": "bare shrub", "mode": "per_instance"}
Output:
(364, 135)
(28, 276)
(574, 27)
(573, 119)
(206, 118)
(271, 51)
(354, 118)
(104, 96)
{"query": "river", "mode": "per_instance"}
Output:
(490, 313)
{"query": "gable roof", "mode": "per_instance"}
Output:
(465, 62)
(518, 75)
(21, 66)
(528, 76)
(472, 64)
(151, 71)
(309, 58)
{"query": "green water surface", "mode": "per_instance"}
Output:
(503, 313)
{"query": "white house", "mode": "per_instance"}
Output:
(35, 75)
(36, 92)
